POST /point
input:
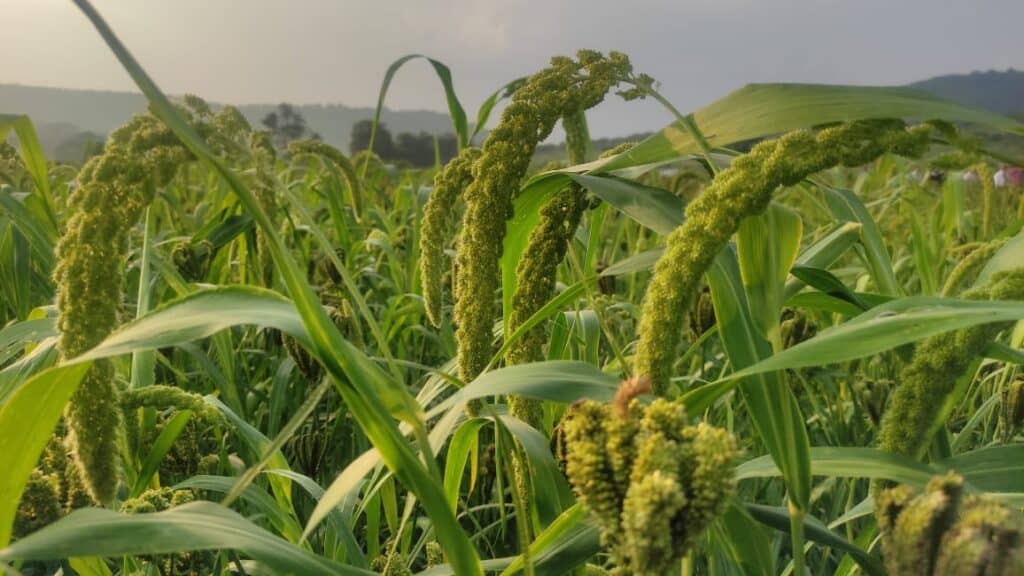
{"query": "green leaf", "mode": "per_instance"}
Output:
(342, 487)
(759, 110)
(655, 208)
(31, 152)
(143, 362)
(42, 235)
(567, 543)
(455, 110)
(748, 543)
(924, 260)
(336, 520)
(563, 381)
(846, 207)
(484, 113)
(824, 252)
(827, 283)
(90, 566)
(282, 520)
(768, 397)
(259, 444)
(636, 263)
(885, 327)
(831, 303)
(463, 442)
(195, 526)
(202, 314)
(552, 494)
(1008, 257)
(15, 336)
(1004, 353)
(848, 462)
(28, 417)
(994, 469)
(767, 245)
(160, 447)
(778, 518)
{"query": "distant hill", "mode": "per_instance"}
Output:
(60, 114)
(66, 118)
(993, 90)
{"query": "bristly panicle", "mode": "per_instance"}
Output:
(944, 532)
(653, 481)
(113, 190)
(745, 189)
(938, 362)
(566, 87)
(537, 270)
(438, 218)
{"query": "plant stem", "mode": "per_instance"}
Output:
(796, 524)
(688, 123)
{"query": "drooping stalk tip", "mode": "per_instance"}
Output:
(970, 265)
(938, 362)
(438, 219)
(342, 162)
(113, 190)
(566, 87)
(745, 189)
(537, 270)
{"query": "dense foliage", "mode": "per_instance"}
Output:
(221, 353)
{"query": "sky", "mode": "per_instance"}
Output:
(309, 51)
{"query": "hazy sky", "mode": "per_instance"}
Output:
(244, 51)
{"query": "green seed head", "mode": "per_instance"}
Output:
(653, 481)
(392, 564)
(970, 265)
(745, 189)
(944, 533)
(40, 504)
(438, 218)
(199, 439)
(938, 362)
(985, 540)
(112, 191)
(566, 87)
(796, 327)
(1013, 408)
(435, 554)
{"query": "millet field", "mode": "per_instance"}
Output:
(782, 335)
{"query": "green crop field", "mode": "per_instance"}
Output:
(782, 335)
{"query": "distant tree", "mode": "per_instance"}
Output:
(287, 124)
(413, 149)
(448, 145)
(359, 139)
(421, 149)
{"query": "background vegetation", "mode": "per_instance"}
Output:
(285, 405)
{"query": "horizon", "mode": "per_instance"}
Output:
(371, 106)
